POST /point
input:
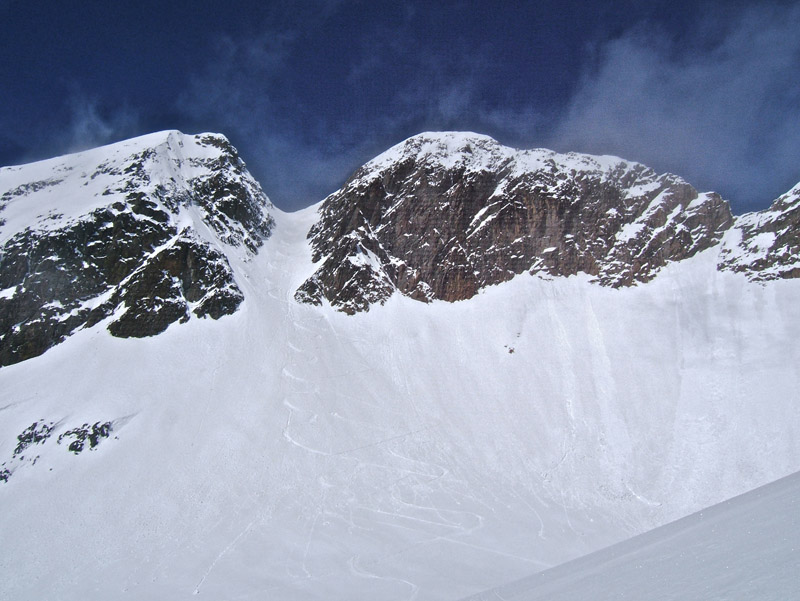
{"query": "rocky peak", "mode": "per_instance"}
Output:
(134, 233)
(766, 245)
(442, 215)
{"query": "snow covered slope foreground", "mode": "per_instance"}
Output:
(414, 451)
(135, 233)
(743, 549)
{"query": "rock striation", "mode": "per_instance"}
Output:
(442, 215)
(136, 233)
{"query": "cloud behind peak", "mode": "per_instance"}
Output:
(722, 111)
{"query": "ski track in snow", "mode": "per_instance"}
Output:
(222, 553)
(410, 512)
(361, 572)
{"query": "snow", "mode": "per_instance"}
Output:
(643, 189)
(483, 221)
(72, 185)
(477, 153)
(71, 172)
(449, 148)
(293, 452)
(762, 242)
(367, 257)
(631, 230)
(698, 202)
(743, 549)
(479, 217)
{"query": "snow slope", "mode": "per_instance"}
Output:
(742, 549)
(416, 451)
(293, 452)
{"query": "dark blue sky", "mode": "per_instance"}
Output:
(310, 89)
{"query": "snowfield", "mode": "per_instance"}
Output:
(742, 549)
(412, 452)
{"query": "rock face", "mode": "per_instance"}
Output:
(76, 440)
(442, 215)
(136, 232)
(766, 245)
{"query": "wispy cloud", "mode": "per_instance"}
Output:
(240, 92)
(438, 88)
(83, 122)
(91, 125)
(722, 109)
(396, 83)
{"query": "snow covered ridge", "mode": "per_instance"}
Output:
(137, 233)
(443, 215)
(766, 245)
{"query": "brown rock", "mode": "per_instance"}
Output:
(441, 216)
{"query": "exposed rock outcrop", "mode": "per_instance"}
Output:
(442, 215)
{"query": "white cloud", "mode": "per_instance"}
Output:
(722, 111)
(89, 125)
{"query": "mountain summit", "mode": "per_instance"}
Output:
(443, 215)
(134, 235)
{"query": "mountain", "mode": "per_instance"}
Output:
(441, 216)
(742, 549)
(270, 448)
(133, 234)
(766, 245)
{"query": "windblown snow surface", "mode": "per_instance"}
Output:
(414, 451)
(743, 549)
